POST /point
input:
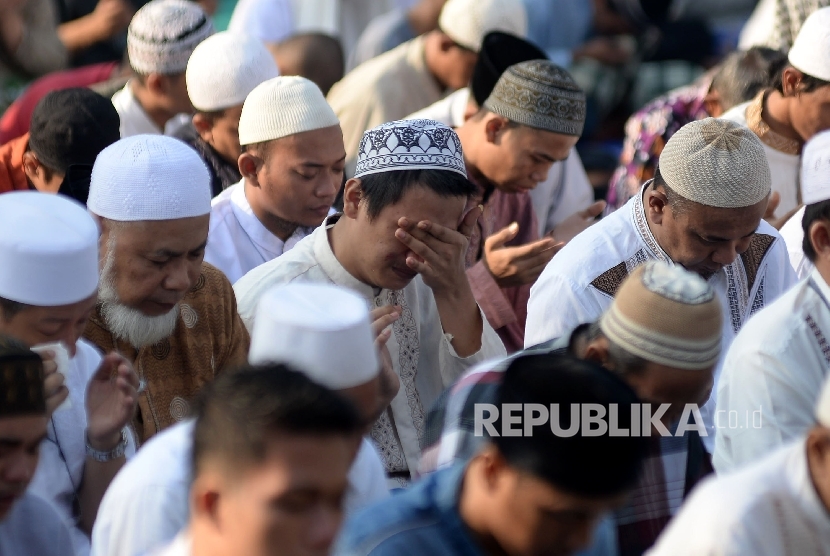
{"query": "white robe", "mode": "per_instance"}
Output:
(422, 354)
(784, 168)
(579, 283)
(135, 121)
(237, 241)
(772, 376)
(33, 528)
(793, 235)
(770, 508)
(60, 470)
(181, 545)
(564, 192)
(147, 503)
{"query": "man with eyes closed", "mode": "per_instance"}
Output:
(171, 315)
(292, 167)
(703, 211)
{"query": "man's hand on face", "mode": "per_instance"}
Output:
(53, 387)
(111, 399)
(578, 222)
(438, 253)
(517, 266)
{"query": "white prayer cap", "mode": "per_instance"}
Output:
(815, 169)
(163, 34)
(717, 163)
(149, 177)
(810, 52)
(281, 107)
(467, 21)
(410, 145)
(48, 249)
(322, 330)
(225, 68)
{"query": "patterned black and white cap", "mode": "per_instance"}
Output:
(163, 34)
(410, 145)
(539, 94)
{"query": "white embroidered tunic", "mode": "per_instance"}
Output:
(772, 375)
(770, 508)
(579, 283)
(422, 355)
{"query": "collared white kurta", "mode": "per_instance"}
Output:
(770, 508)
(566, 190)
(33, 528)
(793, 234)
(135, 121)
(60, 470)
(579, 283)
(422, 354)
(773, 375)
(237, 241)
(148, 502)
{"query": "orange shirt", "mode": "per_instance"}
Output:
(12, 176)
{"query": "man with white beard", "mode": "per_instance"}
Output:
(159, 305)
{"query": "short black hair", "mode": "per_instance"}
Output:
(808, 82)
(590, 466)
(237, 413)
(9, 308)
(813, 213)
(387, 188)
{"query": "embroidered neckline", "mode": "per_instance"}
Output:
(755, 122)
(638, 214)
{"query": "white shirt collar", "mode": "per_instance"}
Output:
(331, 266)
(823, 287)
(640, 222)
(134, 120)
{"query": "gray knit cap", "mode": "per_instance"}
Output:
(539, 94)
(163, 34)
(717, 163)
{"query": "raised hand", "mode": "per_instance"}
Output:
(578, 222)
(53, 383)
(111, 399)
(517, 266)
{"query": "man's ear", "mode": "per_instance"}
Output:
(205, 496)
(656, 203)
(446, 43)
(157, 83)
(493, 465)
(820, 239)
(712, 103)
(791, 82)
(204, 126)
(248, 164)
(31, 165)
(494, 126)
(597, 351)
(352, 195)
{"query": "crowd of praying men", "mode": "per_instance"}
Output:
(248, 313)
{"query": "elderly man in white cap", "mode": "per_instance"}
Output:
(292, 168)
(400, 243)
(419, 72)
(220, 74)
(777, 505)
(48, 287)
(662, 336)
(793, 110)
(776, 365)
(161, 37)
(702, 211)
(169, 313)
(306, 326)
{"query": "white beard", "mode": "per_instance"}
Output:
(128, 324)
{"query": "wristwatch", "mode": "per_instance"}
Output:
(104, 457)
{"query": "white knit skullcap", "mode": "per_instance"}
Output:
(149, 177)
(667, 315)
(281, 107)
(163, 34)
(467, 21)
(717, 163)
(225, 68)
(322, 330)
(815, 169)
(48, 249)
(810, 52)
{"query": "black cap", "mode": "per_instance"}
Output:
(498, 52)
(72, 126)
(21, 380)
